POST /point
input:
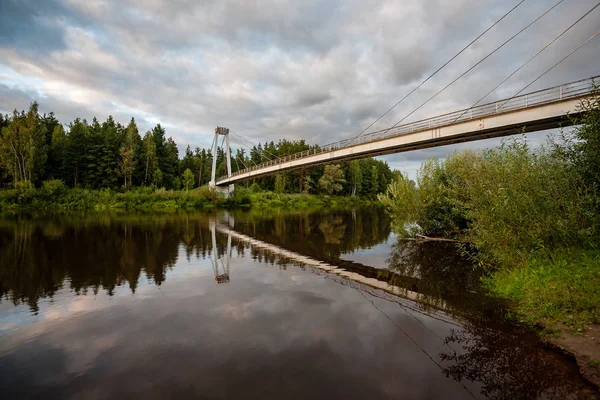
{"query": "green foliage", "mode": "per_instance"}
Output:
(584, 148)
(441, 208)
(208, 193)
(521, 201)
(559, 287)
(108, 155)
(54, 188)
(401, 201)
(279, 183)
(23, 149)
(255, 188)
(332, 179)
(157, 177)
(436, 202)
(355, 176)
(188, 179)
(508, 202)
(307, 184)
(270, 200)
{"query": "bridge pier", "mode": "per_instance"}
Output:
(224, 190)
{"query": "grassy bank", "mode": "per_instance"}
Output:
(531, 218)
(54, 196)
(561, 288)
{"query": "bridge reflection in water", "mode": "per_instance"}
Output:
(49, 265)
(225, 225)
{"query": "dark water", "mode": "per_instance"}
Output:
(238, 306)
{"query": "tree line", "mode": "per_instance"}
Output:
(108, 155)
(68, 253)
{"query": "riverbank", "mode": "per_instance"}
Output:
(560, 296)
(529, 218)
(54, 196)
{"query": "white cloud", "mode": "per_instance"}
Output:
(315, 70)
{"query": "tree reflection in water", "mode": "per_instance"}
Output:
(38, 257)
(508, 360)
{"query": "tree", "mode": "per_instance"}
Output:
(23, 148)
(52, 163)
(58, 153)
(332, 179)
(157, 178)
(128, 153)
(374, 180)
(584, 151)
(108, 164)
(149, 157)
(188, 179)
(77, 150)
(355, 176)
(279, 183)
(307, 184)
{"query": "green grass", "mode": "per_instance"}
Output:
(561, 288)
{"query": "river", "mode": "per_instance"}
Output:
(255, 305)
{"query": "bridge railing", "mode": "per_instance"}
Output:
(554, 94)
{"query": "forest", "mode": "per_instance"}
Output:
(96, 155)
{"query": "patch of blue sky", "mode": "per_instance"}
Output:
(16, 81)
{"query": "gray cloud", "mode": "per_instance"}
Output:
(276, 69)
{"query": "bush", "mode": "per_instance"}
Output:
(522, 201)
(509, 202)
(207, 192)
(54, 188)
(255, 188)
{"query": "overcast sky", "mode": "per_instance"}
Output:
(271, 69)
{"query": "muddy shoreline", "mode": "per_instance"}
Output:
(584, 349)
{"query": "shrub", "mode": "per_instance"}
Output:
(208, 193)
(54, 188)
(509, 202)
(522, 201)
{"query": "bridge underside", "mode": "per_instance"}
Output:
(537, 118)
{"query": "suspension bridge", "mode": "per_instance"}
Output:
(554, 107)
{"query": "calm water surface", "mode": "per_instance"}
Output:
(239, 306)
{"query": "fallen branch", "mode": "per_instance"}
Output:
(427, 238)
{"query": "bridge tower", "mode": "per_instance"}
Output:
(227, 190)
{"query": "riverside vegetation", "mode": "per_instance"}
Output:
(529, 217)
(106, 166)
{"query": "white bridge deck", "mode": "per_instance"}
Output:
(541, 110)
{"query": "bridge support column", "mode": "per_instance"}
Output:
(225, 190)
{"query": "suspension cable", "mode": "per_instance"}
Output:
(253, 145)
(438, 70)
(236, 140)
(552, 67)
(471, 68)
(530, 59)
(236, 163)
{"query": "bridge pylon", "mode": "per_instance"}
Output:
(226, 190)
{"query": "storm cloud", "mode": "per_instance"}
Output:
(274, 69)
